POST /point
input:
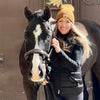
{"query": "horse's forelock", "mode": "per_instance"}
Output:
(39, 12)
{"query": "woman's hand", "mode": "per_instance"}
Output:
(55, 44)
(45, 82)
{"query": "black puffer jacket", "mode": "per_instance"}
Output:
(65, 74)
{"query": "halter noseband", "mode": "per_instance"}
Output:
(37, 51)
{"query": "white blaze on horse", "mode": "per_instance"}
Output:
(36, 59)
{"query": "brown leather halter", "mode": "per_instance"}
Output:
(37, 51)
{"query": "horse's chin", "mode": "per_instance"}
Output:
(37, 80)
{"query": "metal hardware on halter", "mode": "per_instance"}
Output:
(65, 15)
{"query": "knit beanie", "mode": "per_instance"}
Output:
(66, 11)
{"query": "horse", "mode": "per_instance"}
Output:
(35, 50)
(34, 54)
(92, 31)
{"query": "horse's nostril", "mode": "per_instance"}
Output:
(30, 74)
(41, 73)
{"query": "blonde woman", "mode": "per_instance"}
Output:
(66, 59)
(69, 48)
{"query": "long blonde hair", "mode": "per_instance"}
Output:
(82, 39)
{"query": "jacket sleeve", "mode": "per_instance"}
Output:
(72, 63)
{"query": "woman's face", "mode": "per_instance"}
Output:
(64, 25)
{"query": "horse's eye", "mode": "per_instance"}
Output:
(48, 37)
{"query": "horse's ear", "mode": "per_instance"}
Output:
(28, 13)
(47, 13)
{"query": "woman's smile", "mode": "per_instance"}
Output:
(64, 25)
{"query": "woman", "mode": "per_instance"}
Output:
(69, 47)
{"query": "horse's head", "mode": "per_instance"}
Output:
(38, 36)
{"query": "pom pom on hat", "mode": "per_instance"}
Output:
(66, 9)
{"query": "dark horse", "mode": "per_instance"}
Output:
(92, 31)
(34, 52)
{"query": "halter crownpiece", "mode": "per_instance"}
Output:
(65, 15)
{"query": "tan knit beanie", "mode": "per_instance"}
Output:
(66, 10)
